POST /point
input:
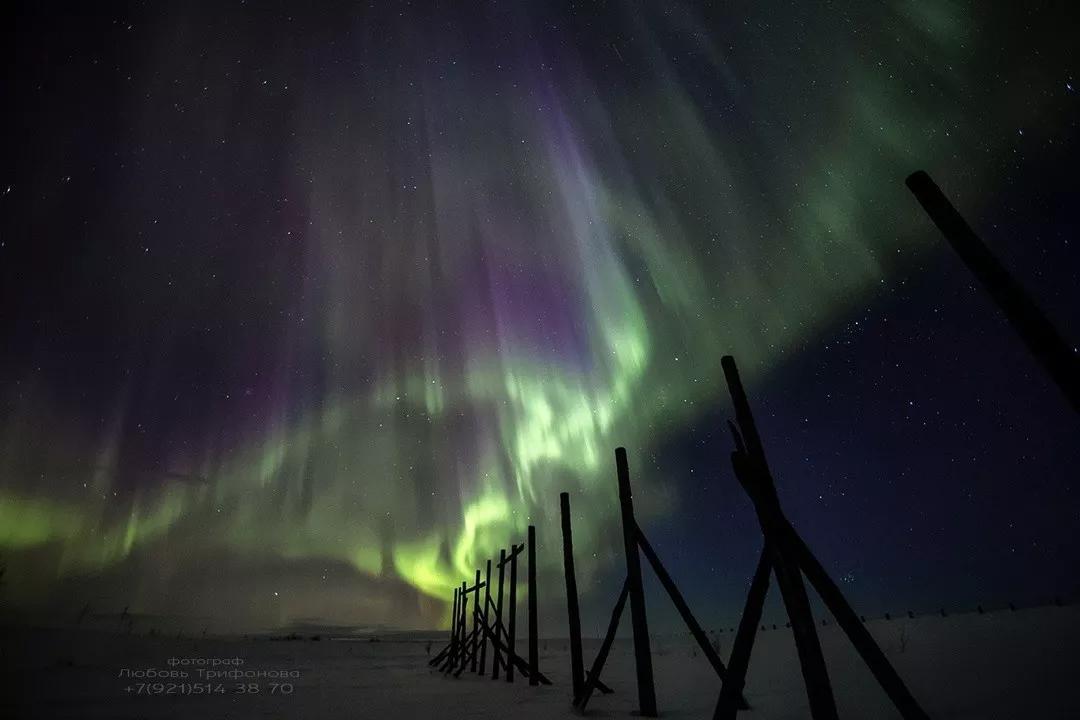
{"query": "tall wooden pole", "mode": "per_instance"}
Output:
(496, 659)
(511, 626)
(453, 618)
(642, 653)
(577, 664)
(753, 472)
(534, 648)
(1028, 320)
(484, 616)
(449, 648)
(476, 619)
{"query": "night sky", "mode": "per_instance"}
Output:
(306, 311)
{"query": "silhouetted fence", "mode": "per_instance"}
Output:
(493, 623)
(634, 541)
(784, 553)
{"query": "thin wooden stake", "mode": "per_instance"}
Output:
(476, 620)
(860, 637)
(494, 636)
(487, 601)
(642, 654)
(727, 706)
(605, 647)
(577, 664)
(534, 645)
(496, 659)
(511, 652)
(684, 611)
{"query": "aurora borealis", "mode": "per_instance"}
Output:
(309, 311)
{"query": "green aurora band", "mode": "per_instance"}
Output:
(508, 274)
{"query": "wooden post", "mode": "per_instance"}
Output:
(727, 706)
(476, 619)
(680, 604)
(1028, 320)
(470, 646)
(453, 617)
(759, 485)
(496, 659)
(577, 664)
(534, 645)
(453, 634)
(458, 654)
(511, 626)
(487, 602)
(642, 653)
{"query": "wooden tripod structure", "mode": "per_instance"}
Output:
(634, 540)
(787, 555)
(467, 650)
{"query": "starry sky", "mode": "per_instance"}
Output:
(305, 312)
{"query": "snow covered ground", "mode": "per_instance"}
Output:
(998, 665)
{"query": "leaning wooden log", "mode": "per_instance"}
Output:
(462, 615)
(462, 619)
(577, 664)
(735, 680)
(605, 647)
(499, 662)
(684, 610)
(642, 653)
(453, 617)
(474, 650)
(492, 631)
(599, 685)
(448, 661)
(519, 662)
(452, 650)
(439, 657)
(1028, 320)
